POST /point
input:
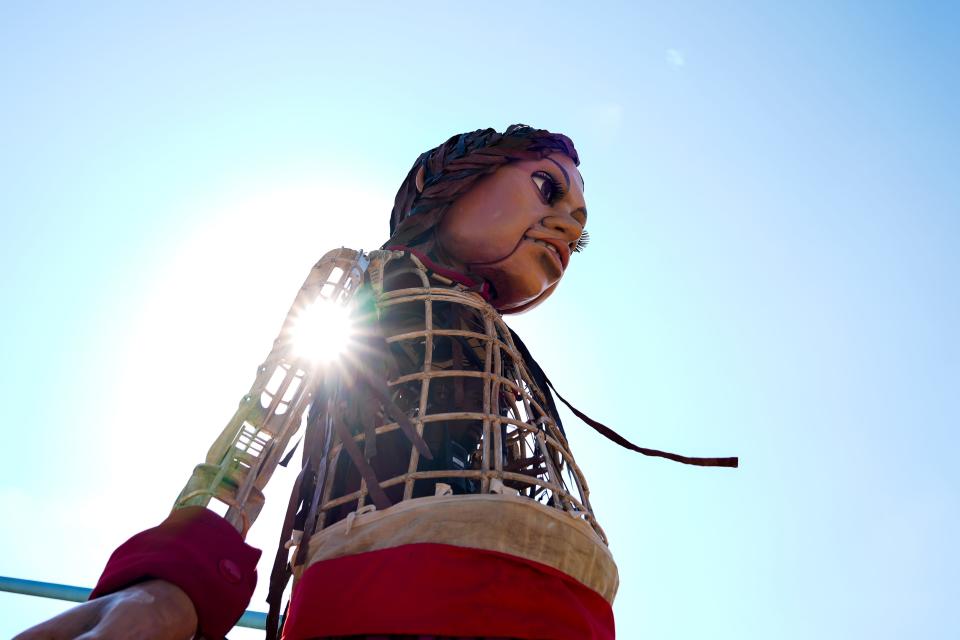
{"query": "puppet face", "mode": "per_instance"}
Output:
(517, 228)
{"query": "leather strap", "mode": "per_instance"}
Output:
(280, 574)
(609, 433)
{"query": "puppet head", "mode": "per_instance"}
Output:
(505, 208)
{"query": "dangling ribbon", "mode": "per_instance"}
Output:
(603, 429)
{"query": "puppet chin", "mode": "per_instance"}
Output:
(521, 280)
(513, 295)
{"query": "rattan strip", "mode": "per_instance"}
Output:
(334, 458)
(495, 392)
(424, 384)
(487, 400)
(451, 373)
(362, 492)
(401, 296)
(419, 333)
(522, 372)
(575, 470)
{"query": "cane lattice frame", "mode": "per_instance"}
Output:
(520, 450)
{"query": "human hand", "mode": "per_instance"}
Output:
(151, 610)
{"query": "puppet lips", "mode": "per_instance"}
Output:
(557, 248)
(553, 250)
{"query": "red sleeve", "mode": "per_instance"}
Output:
(198, 551)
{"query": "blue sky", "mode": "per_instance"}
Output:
(773, 272)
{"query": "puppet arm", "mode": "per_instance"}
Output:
(195, 549)
(243, 458)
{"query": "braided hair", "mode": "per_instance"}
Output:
(450, 170)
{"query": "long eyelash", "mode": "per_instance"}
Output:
(558, 189)
(582, 242)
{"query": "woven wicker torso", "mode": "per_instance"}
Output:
(468, 391)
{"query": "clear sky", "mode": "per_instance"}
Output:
(773, 272)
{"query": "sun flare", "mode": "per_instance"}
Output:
(321, 332)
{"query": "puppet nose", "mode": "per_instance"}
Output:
(565, 225)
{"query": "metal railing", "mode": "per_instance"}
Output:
(70, 593)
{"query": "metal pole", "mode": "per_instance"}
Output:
(249, 619)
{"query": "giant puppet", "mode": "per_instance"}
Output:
(438, 495)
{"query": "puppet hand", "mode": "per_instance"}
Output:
(152, 610)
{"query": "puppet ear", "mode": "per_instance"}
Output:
(418, 179)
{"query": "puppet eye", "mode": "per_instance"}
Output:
(548, 186)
